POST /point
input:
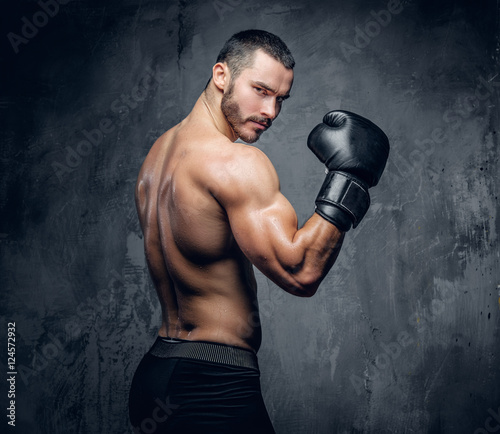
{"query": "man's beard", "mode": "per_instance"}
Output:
(232, 112)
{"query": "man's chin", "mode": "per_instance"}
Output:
(250, 137)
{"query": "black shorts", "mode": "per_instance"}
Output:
(197, 387)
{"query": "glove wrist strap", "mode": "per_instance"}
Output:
(341, 196)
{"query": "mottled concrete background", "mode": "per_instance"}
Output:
(403, 335)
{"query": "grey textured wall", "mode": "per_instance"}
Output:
(403, 335)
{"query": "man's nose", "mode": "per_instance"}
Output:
(269, 108)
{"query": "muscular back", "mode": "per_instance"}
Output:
(204, 282)
(210, 208)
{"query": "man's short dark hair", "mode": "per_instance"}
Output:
(239, 49)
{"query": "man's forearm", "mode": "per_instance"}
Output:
(315, 248)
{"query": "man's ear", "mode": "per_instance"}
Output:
(221, 76)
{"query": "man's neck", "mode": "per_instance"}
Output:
(209, 104)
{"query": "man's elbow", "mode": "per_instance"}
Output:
(307, 283)
(306, 292)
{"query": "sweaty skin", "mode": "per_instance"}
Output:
(209, 208)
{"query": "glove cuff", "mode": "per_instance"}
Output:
(342, 200)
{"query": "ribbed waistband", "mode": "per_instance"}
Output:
(204, 351)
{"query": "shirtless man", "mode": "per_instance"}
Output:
(209, 208)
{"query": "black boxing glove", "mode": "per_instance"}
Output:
(355, 152)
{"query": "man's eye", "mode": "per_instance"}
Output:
(259, 90)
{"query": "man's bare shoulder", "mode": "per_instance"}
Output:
(158, 150)
(234, 156)
(235, 170)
